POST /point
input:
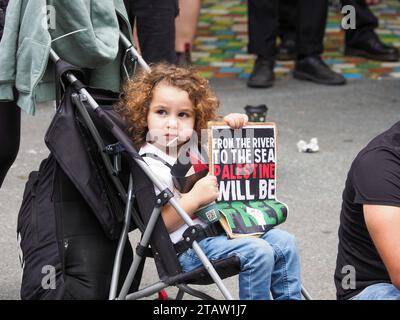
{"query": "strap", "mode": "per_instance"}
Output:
(212, 230)
(156, 157)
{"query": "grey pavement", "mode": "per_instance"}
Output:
(343, 119)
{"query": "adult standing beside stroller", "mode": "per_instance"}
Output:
(155, 23)
(27, 78)
(10, 119)
(164, 110)
(186, 26)
(85, 34)
(165, 29)
(3, 8)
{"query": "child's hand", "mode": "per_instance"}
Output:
(236, 120)
(205, 191)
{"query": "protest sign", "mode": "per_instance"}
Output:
(244, 162)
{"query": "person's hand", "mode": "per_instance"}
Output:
(236, 120)
(372, 2)
(205, 191)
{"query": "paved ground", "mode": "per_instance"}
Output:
(343, 119)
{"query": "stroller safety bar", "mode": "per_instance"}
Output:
(125, 141)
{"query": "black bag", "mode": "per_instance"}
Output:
(66, 254)
(78, 157)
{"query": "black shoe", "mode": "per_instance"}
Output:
(262, 75)
(373, 49)
(286, 50)
(312, 68)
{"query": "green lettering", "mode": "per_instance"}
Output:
(265, 210)
(279, 208)
(249, 221)
(227, 211)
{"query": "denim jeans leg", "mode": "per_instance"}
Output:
(379, 291)
(256, 259)
(285, 282)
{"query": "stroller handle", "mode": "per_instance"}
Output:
(128, 45)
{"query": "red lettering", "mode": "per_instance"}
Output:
(254, 167)
(225, 172)
(272, 171)
(264, 171)
(245, 171)
(217, 170)
(240, 171)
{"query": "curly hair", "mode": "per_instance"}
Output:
(138, 94)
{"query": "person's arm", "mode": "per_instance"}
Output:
(203, 192)
(9, 49)
(383, 223)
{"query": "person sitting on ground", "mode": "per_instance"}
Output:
(368, 259)
(173, 104)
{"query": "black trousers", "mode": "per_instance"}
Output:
(287, 19)
(264, 22)
(155, 21)
(366, 22)
(10, 130)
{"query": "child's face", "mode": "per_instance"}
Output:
(171, 115)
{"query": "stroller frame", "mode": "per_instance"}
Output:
(165, 196)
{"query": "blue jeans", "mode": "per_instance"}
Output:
(269, 264)
(379, 291)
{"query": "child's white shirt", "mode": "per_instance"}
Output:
(163, 173)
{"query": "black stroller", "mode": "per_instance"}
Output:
(122, 195)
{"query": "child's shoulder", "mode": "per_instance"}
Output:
(147, 147)
(155, 153)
